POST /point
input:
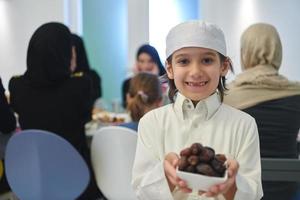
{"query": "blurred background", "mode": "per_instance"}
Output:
(114, 29)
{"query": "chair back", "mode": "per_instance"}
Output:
(280, 169)
(112, 153)
(41, 165)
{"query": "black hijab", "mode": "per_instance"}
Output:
(82, 63)
(152, 52)
(49, 55)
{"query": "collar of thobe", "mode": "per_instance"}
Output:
(205, 108)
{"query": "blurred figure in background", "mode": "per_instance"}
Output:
(270, 98)
(82, 65)
(47, 97)
(7, 117)
(147, 60)
(7, 125)
(144, 95)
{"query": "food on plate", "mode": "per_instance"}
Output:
(106, 117)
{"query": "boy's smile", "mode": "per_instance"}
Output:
(196, 86)
(196, 72)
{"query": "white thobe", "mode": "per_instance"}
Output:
(176, 126)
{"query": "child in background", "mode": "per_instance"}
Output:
(144, 95)
(196, 67)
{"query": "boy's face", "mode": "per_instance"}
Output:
(196, 72)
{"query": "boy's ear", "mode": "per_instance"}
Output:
(169, 70)
(225, 67)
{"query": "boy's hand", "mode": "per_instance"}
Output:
(228, 188)
(170, 164)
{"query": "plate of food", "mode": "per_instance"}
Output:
(110, 117)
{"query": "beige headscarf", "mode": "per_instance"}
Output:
(261, 56)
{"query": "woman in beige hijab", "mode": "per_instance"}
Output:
(269, 97)
(261, 56)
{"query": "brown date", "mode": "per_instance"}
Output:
(186, 152)
(196, 148)
(205, 169)
(221, 157)
(183, 163)
(218, 166)
(193, 160)
(207, 154)
(190, 168)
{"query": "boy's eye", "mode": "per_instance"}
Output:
(207, 60)
(183, 61)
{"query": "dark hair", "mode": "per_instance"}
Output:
(221, 86)
(152, 52)
(145, 90)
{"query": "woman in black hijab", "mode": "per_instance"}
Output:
(44, 97)
(47, 97)
(48, 56)
(147, 60)
(82, 65)
(7, 117)
(7, 125)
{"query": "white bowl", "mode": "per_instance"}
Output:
(200, 182)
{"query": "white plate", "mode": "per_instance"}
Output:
(200, 182)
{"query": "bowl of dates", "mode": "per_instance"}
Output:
(201, 168)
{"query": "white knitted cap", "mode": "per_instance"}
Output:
(195, 33)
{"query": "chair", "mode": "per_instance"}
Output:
(280, 169)
(41, 165)
(112, 153)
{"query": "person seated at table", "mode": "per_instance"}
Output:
(147, 60)
(7, 125)
(7, 117)
(272, 99)
(144, 95)
(48, 97)
(82, 66)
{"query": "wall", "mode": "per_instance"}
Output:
(138, 29)
(105, 36)
(18, 20)
(235, 16)
(113, 30)
(166, 14)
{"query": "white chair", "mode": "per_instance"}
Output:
(112, 152)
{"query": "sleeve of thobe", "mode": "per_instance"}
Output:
(148, 177)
